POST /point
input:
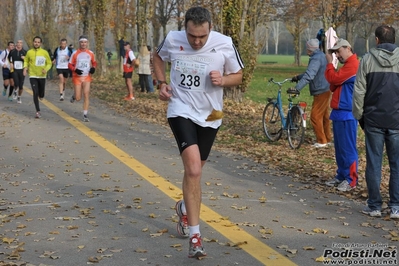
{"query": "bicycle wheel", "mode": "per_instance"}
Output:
(295, 127)
(271, 121)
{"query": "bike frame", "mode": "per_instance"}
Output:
(279, 104)
(293, 123)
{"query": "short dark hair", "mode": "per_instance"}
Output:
(10, 42)
(385, 34)
(63, 40)
(38, 37)
(198, 15)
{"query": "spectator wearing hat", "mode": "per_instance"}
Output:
(319, 89)
(344, 123)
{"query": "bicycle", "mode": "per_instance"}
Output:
(294, 123)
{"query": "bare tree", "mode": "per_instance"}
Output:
(39, 22)
(262, 38)
(165, 10)
(99, 11)
(145, 11)
(8, 20)
(276, 31)
(296, 14)
(83, 8)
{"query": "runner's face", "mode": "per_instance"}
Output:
(19, 44)
(37, 43)
(83, 44)
(63, 44)
(11, 46)
(197, 35)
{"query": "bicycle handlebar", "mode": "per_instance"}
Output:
(280, 83)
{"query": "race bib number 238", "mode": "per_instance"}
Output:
(190, 75)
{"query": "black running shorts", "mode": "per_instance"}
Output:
(127, 75)
(188, 133)
(65, 72)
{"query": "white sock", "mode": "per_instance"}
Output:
(183, 208)
(85, 112)
(194, 230)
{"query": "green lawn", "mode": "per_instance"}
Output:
(260, 89)
(281, 59)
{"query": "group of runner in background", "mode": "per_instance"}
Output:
(37, 62)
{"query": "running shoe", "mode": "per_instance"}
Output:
(182, 224)
(129, 98)
(38, 115)
(319, 145)
(333, 182)
(4, 92)
(344, 186)
(72, 99)
(196, 250)
(19, 99)
(14, 95)
(62, 97)
(372, 213)
(10, 98)
(394, 213)
(85, 118)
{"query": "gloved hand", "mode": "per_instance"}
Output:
(292, 90)
(294, 79)
(78, 71)
(92, 70)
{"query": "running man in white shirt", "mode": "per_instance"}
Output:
(203, 62)
(61, 59)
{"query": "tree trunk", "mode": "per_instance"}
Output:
(8, 12)
(233, 93)
(99, 33)
(297, 48)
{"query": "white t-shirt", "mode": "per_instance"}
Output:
(130, 55)
(193, 95)
(62, 58)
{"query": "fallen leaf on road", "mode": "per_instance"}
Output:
(139, 250)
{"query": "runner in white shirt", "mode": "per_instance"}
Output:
(203, 62)
(61, 60)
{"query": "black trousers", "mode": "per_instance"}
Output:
(19, 79)
(38, 86)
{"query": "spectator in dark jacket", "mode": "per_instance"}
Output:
(376, 105)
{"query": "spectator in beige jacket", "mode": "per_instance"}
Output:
(144, 69)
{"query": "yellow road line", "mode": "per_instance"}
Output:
(235, 234)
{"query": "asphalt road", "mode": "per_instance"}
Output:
(103, 192)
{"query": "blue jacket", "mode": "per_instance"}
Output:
(341, 85)
(314, 75)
